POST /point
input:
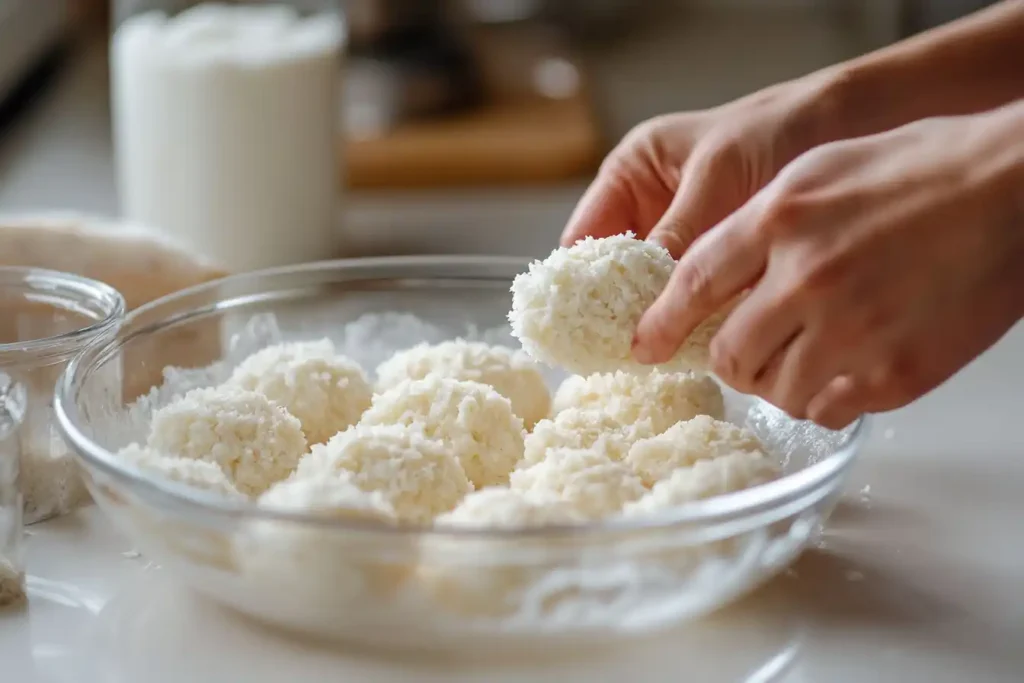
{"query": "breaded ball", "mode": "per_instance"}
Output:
(664, 398)
(501, 507)
(198, 474)
(474, 576)
(579, 428)
(579, 308)
(336, 496)
(705, 479)
(418, 476)
(326, 391)
(474, 422)
(683, 444)
(253, 440)
(323, 569)
(594, 484)
(510, 372)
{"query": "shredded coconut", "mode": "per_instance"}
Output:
(416, 475)
(594, 484)
(199, 474)
(510, 372)
(682, 445)
(327, 392)
(705, 479)
(579, 308)
(335, 495)
(475, 422)
(506, 508)
(253, 440)
(664, 398)
(579, 428)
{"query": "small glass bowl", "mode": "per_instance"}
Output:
(47, 318)
(440, 588)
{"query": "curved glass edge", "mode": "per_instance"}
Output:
(108, 302)
(725, 508)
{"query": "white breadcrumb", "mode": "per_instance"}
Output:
(326, 391)
(594, 484)
(706, 479)
(683, 444)
(474, 422)
(199, 474)
(336, 496)
(252, 439)
(664, 398)
(579, 308)
(500, 507)
(510, 372)
(579, 428)
(418, 476)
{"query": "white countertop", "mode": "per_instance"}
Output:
(918, 579)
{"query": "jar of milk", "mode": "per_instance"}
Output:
(226, 125)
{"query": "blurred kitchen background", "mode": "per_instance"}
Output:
(466, 126)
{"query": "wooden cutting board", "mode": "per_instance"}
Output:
(517, 137)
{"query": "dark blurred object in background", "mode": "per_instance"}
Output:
(921, 15)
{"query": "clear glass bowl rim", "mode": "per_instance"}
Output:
(108, 302)
(719, 510)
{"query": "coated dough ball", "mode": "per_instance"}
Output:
(326, 391)
(323, 570)
(476, 576)
(664, 398)
(336, 496)
(474, 422)
(254, 441)
(578, 428)
(510, 372)
(198, 474)
(500, 507)
(594, 484)
(706, 479)
(580, 307)
(416, 475)
(685, 443)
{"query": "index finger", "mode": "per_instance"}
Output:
(719, 265)
(603, 211)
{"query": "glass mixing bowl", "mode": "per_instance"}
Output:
(431, 588)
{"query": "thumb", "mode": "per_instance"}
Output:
(717, 266)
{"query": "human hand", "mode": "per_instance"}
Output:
(879, 267)
(673, 177)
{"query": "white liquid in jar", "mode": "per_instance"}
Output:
(225, 122)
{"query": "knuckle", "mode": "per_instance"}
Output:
(693, 284)
(783, 213)
(726, 364)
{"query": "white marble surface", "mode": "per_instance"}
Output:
(919, 581)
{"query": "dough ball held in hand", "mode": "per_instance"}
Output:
(579, 308)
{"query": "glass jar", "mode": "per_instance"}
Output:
(47, 318)
(12, 567)
(226, 125)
